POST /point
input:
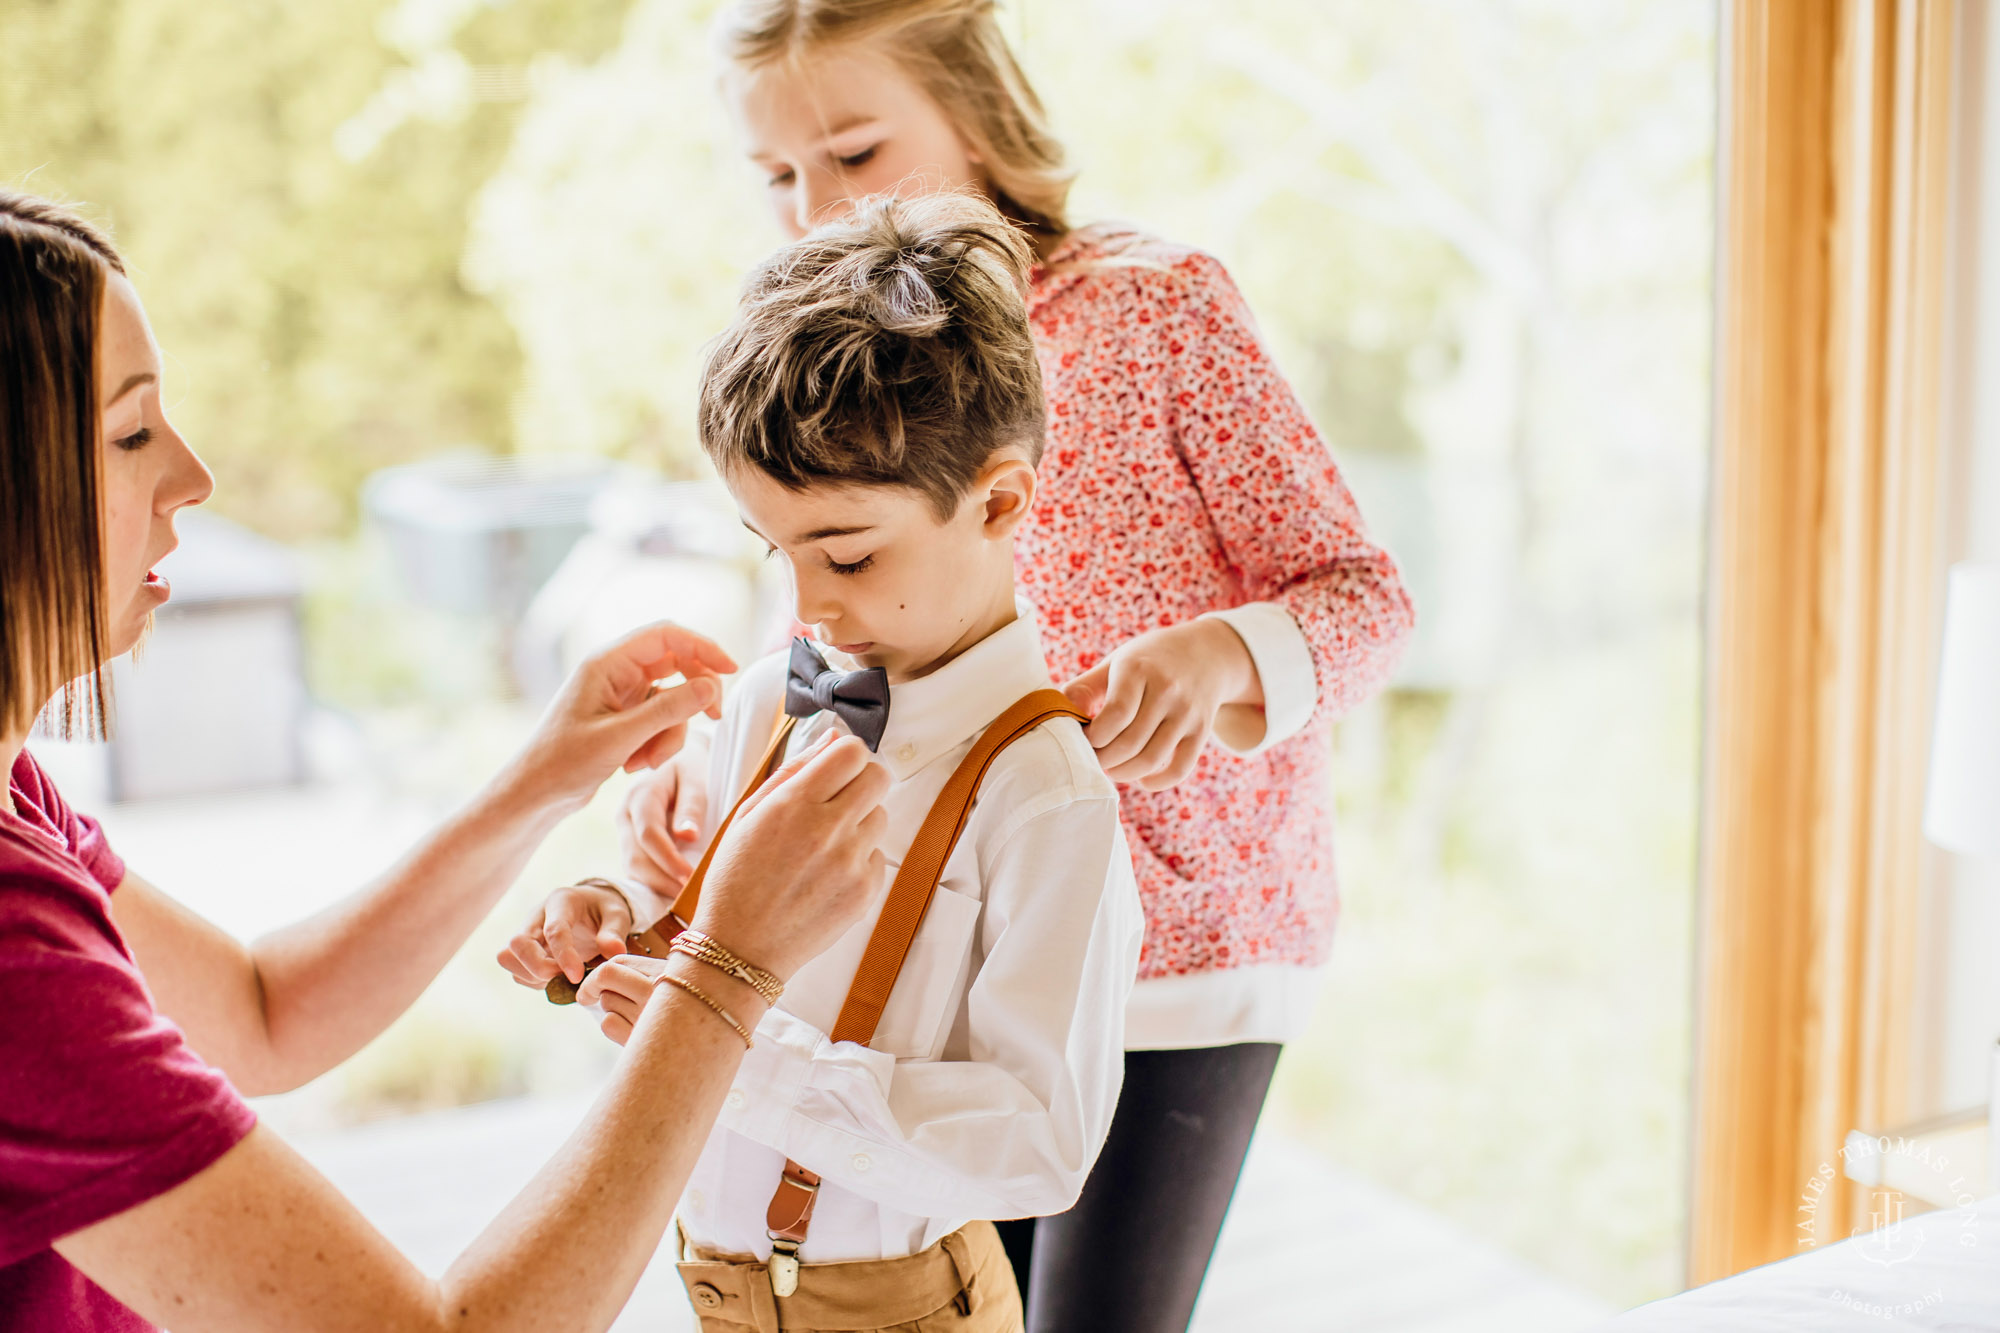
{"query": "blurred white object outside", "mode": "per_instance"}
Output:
(214, 699)
(479, 533)
(1963, 811)
(655, 550)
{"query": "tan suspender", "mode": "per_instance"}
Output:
(681, 914)
(790, 1213)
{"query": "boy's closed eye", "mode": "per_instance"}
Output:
(836, 566)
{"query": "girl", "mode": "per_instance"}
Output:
(1200, 569)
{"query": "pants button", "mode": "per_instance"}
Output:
(707, 1297)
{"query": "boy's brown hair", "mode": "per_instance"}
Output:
(887, 349)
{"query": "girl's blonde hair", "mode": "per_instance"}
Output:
(955, 52)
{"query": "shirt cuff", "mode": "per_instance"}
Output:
(777, 1070)
(1284, 663)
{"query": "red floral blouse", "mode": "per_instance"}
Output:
(1182, 476)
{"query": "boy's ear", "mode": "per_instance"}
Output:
(1008, 487)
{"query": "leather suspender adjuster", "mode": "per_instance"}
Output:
(788, 1219)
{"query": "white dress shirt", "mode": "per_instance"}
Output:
(990, 1085)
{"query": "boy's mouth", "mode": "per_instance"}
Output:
(854, 649)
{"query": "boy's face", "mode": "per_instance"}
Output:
(876, 574)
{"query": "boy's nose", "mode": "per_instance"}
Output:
(809, 605)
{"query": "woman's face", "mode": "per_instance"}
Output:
(839, 127)
(147, 472)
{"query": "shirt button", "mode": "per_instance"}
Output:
(696, 1203)
(707, 1297)
(735, 1099)
(862, 1161)
(906, 753)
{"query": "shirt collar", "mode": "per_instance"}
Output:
(933, 715)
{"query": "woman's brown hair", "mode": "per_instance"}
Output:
(953, 50)
(53, 267)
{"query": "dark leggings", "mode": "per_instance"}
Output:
(1131, 1255)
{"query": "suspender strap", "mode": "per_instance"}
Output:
(923, 865)
(790, 1215)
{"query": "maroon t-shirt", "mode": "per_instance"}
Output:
(102, 1104)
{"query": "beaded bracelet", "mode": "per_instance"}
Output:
(705, 949)
(703, 996)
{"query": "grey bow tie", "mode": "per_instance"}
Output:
(858, 698)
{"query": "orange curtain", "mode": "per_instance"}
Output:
(1833, 175)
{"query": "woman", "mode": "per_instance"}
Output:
(135, 1186)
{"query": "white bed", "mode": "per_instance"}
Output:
(1936, 1271)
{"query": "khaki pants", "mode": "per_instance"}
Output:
(962, 1284)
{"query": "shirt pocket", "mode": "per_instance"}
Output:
(918, 1016)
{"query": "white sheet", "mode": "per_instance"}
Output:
(1938, 1272)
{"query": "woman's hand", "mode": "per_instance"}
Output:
(660, 820)
(800, 862)
(610, 714)
(1155, 700)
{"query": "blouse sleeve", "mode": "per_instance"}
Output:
(1288, 525)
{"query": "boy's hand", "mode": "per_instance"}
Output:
(573, 926)
(660, 820)
(1155, 700)
(620, 989)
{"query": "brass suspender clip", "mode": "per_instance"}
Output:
(784, 1266)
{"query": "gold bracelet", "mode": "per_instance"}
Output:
(702, 995)
(705, 949)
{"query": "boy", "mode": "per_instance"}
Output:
(876, 411)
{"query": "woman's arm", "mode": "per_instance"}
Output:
(259, 1240)
(299, 1001)
(1009, 1123)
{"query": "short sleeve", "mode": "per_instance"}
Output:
(80, 833)
(102, 1103)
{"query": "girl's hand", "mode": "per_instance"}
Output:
(610, 715)
(1155, 700)
(660, 820)
(571, 927)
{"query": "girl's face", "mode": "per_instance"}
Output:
(840, 126)
(147, 473)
